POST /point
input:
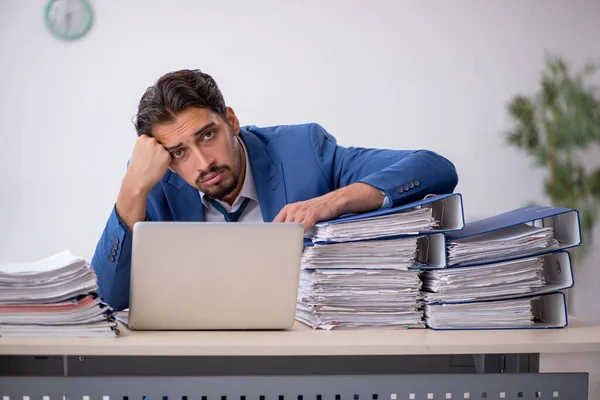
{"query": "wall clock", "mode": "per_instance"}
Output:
(68, 19)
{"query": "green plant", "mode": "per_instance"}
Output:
(557, 126)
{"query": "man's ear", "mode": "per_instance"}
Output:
(233, 121)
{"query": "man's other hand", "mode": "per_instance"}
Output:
(356, 198)
(308, 212)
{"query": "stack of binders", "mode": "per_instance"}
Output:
(53, 297)
(363, 270)
(505, 272)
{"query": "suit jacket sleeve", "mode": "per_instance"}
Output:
(402, 175)
(112, 262)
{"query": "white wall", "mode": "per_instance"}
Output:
(397, 74)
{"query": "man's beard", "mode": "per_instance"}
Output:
(223, 188)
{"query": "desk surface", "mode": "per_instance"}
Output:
(579, 336)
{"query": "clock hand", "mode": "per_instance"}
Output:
(68, 18)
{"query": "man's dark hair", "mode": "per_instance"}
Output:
(174, 92)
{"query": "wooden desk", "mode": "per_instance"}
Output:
(580, 336)
(326, 355)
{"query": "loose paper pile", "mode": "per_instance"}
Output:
(53, 297)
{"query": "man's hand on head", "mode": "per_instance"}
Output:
(148, 164)
(355, 198)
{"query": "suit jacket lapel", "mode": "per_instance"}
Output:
(184, 200)
(268, 177)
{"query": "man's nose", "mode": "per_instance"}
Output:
(203, 161)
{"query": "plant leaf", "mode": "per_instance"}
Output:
(594, 183)
(525, 133)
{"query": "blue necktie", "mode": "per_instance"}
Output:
(229, 216)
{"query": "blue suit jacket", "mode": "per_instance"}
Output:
(289, 164)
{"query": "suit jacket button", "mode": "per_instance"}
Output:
(113, 252)
(411, 185)
(399, 190)
(417, 183)
(111, 258)
(406, 188)
(116, 241)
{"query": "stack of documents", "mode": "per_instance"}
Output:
(374, 225)
(354, 298)
(397, 253)
(53, 297)
(510, 242)
(506, 271)
(516, 277)
(361, 270)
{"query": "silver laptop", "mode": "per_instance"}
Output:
(211, 275)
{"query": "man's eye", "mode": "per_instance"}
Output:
(177, 154)
(208, 135)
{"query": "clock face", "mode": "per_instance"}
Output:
(68, 19)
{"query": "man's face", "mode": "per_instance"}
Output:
(204, 151)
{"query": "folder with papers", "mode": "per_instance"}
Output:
(440, 213)
(399, 253)
(53, 297)
(531, 312)
(521, 232)
(402, 253)
(505, 279)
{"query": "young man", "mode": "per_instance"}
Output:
(194, 162)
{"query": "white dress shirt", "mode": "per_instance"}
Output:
(252, 212)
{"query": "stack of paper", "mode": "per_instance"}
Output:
(387, 254)
(406, 222)
(517, 277)
(356, 274)
(505, 271)
(360, 270)
(354, 298)
(514, 241)
(53, 297)
(513, 313)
